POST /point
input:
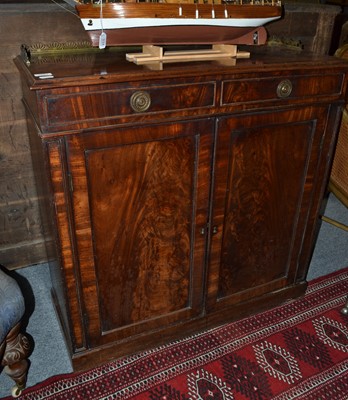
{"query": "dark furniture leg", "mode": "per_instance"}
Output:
(16, 351)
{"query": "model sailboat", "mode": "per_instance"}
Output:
(177, 22)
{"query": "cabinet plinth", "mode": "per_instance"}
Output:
(179, 199)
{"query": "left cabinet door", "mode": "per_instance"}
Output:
(140, 204)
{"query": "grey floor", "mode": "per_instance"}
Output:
(50, 356)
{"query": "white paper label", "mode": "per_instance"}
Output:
(102, 40)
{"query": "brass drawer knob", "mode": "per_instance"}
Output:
(284, 89)
(140, 101)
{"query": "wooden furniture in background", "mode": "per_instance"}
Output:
(339, 172)
(338, 183)
(312, 24)
(180, 198)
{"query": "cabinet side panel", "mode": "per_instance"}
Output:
(66, 293)
(47, 160)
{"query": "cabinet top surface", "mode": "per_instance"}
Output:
(45, 71)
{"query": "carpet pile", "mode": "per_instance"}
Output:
(298, 350)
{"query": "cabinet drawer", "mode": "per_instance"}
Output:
(237, 91)
(81, 107)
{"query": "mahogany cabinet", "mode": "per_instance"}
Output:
(180, 197)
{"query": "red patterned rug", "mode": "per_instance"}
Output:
(296, 351)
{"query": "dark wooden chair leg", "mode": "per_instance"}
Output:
(17, 349)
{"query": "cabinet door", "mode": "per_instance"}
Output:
(265, 197)
(140, 200)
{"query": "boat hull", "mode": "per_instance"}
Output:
(174, 35)
(176, 24)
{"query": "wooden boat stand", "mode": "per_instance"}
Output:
(155, 54)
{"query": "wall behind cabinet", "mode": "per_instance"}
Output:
(22, 235)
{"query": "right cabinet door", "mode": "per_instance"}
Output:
(265, 194)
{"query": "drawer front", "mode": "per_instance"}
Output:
(271, 89)
(86, 107)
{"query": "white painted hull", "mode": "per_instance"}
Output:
(124, 23)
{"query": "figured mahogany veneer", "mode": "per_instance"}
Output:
(180, 198)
